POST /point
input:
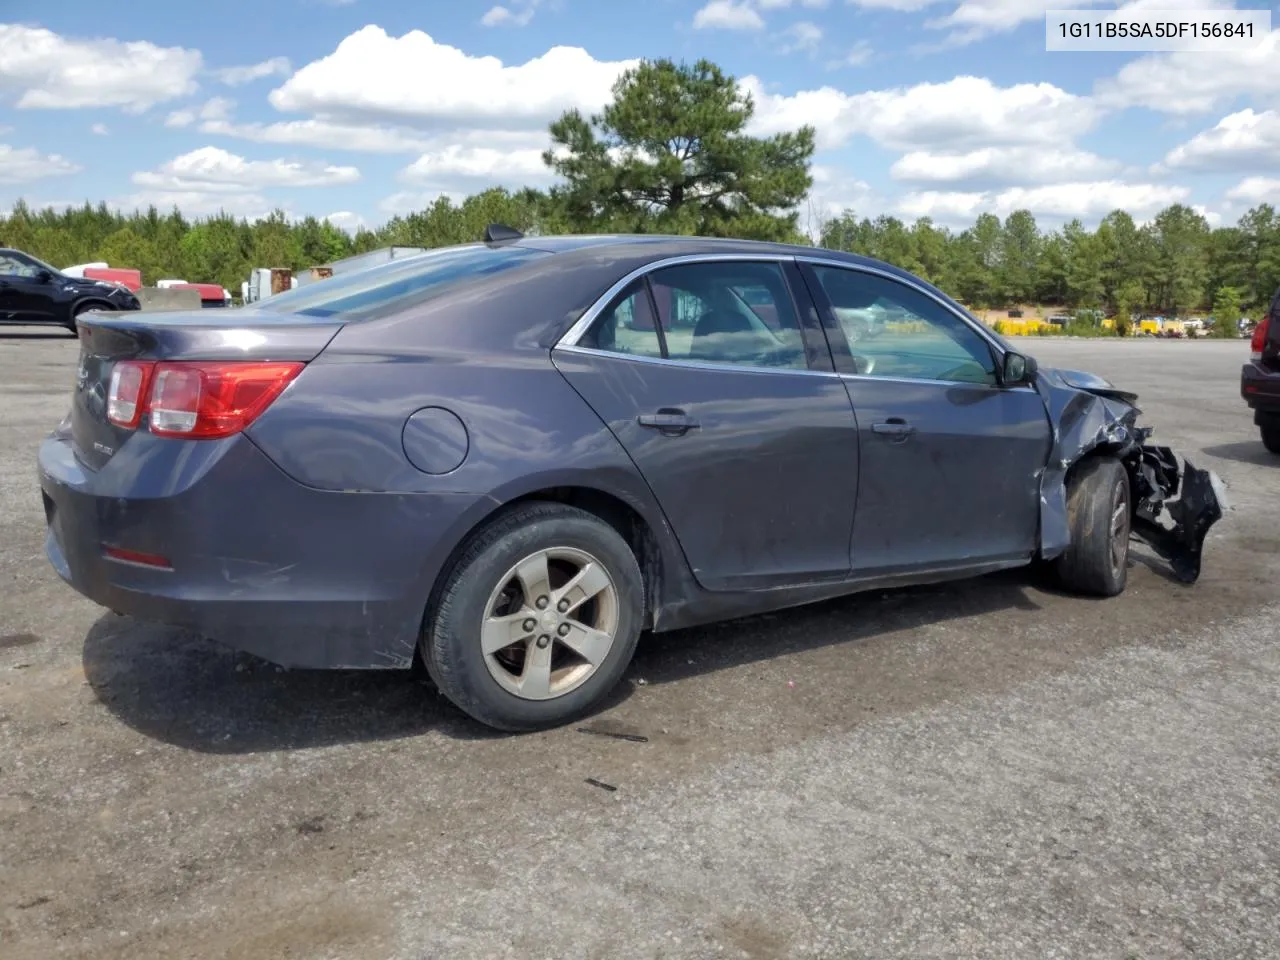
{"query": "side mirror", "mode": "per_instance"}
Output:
(44, 276)
(1018, 369)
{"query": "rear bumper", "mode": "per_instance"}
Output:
(301, 577)
(1260, 387)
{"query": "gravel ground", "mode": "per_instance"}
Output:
(983, 769)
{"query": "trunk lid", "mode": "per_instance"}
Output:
(106, 339)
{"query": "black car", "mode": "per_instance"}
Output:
(31, 291)
(1260, 377)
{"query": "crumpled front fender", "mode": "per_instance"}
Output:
(1089, 415)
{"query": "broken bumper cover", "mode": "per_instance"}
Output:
(1200, 503)
(1091, 416)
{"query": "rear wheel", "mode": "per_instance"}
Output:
(538, 619)
(1271, 437)
(1100, 517)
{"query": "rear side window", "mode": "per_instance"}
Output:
(373, 291)
(729, 312)
(627, 326)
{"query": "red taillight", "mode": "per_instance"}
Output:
(1259, 337)
(210, 400)
(200, 401)
(127, 393)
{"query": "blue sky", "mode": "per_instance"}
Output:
(358, 109)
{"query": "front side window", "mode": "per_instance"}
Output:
(11, 266)
(737, 313)
(892, 330)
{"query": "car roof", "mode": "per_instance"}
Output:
(661, 246)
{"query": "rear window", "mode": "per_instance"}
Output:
(366, 293)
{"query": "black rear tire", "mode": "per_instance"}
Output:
(451, 642)
(1100, 517)
(1271, 437)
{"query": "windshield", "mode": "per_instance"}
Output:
(396, 283)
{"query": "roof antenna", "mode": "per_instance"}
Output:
(498, 232)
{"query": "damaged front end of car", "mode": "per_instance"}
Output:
(1090, 416)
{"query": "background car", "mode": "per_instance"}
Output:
(508, 458)
(1260, 377)
(32, 292)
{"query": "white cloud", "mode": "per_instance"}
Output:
(1256, 190)
(1090, 201)
(784, 4)
(514, 167)
(412, 201)
(197, 203)
(1002, 165)
(1239, 141)
(414, 79)
(835, 189)
(24, 164)
(212, 170)
(1189, 83)
(965, 112)
(214, 110)
(803, 35)
(238, 76)
(518, 15)
(972, 19)
(859, 54)
(52, 72)
(323, 134)
(902, 6)
(346, 220)
(727, 15)
(217, 108)
(99, 129)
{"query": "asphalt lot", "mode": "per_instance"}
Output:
(984, 769)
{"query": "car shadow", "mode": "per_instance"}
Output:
(1251, 451)
(179, 688)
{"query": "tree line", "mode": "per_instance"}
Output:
(670, 155)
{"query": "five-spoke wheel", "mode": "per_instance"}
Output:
(538, 619)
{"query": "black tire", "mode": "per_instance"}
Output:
(451, 645)
(1096, 489)
(1271, 437)
(82, 309)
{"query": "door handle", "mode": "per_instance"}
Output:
(673, 423)
(895, 428)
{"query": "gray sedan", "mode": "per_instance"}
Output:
(509, 458)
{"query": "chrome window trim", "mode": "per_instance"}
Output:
(569, 341)
(750, 368)
(583, 323)
(696, 364)
(924, 381)
(977, 327)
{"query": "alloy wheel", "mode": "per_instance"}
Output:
(550, 623)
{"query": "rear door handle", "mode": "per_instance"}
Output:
(671, 422)
(895, 428)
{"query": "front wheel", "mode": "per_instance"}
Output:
(1100, 519)
(538, 619)
(80, 311)
(1271, 437)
